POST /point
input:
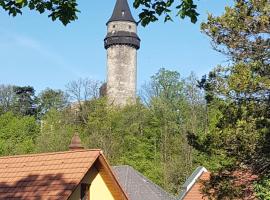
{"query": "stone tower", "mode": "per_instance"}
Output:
(121, 43)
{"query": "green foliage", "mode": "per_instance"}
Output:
(56, 132)
(242, 32)
(66, 10)
(152, 10)
(25, 102)
(52, 99)
(262, 188)
(239, 129)
(238, 95)
(17, 134)
(151, 138)
(63, 10)
(7, 98)
(224, 184)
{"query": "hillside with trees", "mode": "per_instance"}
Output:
(220, 121)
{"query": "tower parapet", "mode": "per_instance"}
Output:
(122, 38)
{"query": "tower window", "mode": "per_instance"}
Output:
(129, 27)
(113, 26)
(123, 13)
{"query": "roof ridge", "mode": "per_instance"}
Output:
(48, 153)
(147, 180)
(85, 172)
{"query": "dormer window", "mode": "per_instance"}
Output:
(85, 191)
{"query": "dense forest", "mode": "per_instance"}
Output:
(220, 121)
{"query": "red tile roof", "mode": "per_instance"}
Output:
(241, 177)
(48, 176)
(195, 192)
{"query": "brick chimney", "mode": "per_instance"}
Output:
(76, 143)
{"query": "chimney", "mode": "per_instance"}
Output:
(75, 143)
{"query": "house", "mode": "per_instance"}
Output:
(138, 187)
(240, 178)
(78, 174)
(191, 190)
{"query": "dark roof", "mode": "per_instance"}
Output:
(138, 186)
(121, 12)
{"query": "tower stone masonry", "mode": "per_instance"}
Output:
(121, 43)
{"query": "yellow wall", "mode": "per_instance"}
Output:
(98, 188)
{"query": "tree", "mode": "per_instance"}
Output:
(17, 134)
(80, 92)
(83, 89)
(66, 10)
(63, 10)
(52, 99)
(151, 138)
(238, 96)
(7, 98)
(25, 100)
(57, 129)
(172, 103)
(242, 32)
(152, 10)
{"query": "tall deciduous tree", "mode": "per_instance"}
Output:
(52, 99)
(172, 107)
(7, 98)
(17, 134)
(57, 129)
(81, 92)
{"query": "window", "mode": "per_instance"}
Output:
(85, 192)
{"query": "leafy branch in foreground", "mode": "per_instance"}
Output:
(63, 10)
(66, 10)
(153, 9)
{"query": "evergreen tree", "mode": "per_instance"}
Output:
(238, 96)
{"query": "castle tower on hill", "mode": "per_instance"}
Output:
(121, 43)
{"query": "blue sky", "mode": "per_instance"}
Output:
(38, 52)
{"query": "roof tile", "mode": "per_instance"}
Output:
(51, 176)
